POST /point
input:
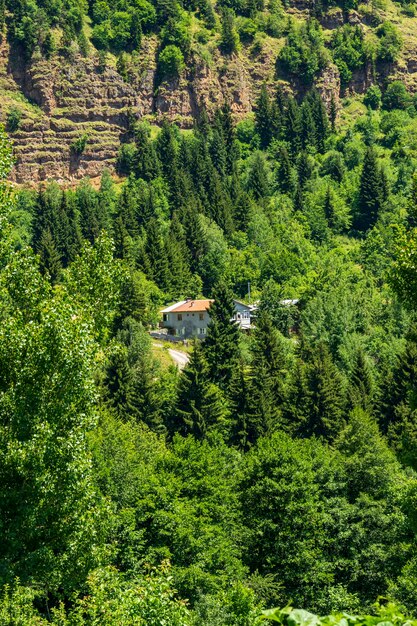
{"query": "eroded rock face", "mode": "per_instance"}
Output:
(69, 98)
(66, 98)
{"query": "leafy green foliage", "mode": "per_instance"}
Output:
(171, 61)
(78, 145)
(304, 54)
(13, 120)
(271, 469)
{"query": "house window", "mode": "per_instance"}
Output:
(165, 317)
(201, 316)
(202, 331)
(179, 317)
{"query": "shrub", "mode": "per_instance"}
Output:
(390, 42)
(372, 97)
(79, 144)
(171, 61)
(125, 158)
(13, 120)
(230, 38)
(304, 54)
(396, 96)
(247, 30)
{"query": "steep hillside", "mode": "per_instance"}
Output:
(75, 104)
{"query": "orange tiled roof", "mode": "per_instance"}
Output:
(192, 306)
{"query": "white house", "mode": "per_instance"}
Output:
(190, 318)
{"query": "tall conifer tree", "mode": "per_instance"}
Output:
(222, 344)
(200, 406)
(370, 193)
(263, 122)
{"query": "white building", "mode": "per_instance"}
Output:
(190, 318)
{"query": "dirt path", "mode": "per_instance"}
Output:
(180, 358)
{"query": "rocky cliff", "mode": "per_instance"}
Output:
(74, 96)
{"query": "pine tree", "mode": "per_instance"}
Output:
(324, 399)
(263, 122)
(304, 168)
(218, 152)
(50, 259)
(222, 344)
(107, 199)
(135, 31)
(194, 234)
(258, 178)
(230, 37)
(278, 113)
(143, 398)
(240, 434)
(241, 210)
(292, 126)
(200, 406)
(400, 392)
(156, 254)
(118, 383)
(167, 150)
(47, 214)
(209, 14)
(299, 200)
(268, 378)
(146, 163)
(90, 214)
(284, 173)
(400, 421)
(224, 121)
(370, 193)
(320, 117)
(281, 100)
(201, 125)
(308, 126)
(361, 385)
(122, 240)
(72, 238)
(128, 209)
(178, 259)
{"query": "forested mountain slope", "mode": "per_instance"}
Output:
(280, 466)
(75, 75)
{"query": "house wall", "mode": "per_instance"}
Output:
(189, 326)
(242, 314)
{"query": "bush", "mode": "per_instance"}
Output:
(348, 50)
(390, 42)
(78, 145)
(304, 54)
(372, 97)
(247, 30)
(13, 120)
(170, 61)
(230, 38)
(396, 96)
(125, 158)
(177, 33)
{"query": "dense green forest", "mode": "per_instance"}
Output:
(279, 468)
